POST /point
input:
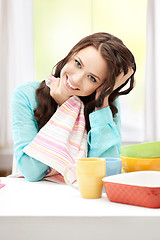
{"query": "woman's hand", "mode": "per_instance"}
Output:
(120, 79)
(55, 92)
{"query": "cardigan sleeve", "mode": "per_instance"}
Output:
(24, 129)
(104, 138)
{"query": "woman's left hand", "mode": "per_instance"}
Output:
(120, 79)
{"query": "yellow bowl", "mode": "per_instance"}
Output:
(130, 164)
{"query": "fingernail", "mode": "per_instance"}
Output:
(49, 79)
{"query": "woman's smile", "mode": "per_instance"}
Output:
(83, 73)
(69, 84)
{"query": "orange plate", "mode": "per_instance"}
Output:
(136, 188)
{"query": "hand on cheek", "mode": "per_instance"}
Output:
(55, 92)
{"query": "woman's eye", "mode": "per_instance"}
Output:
(92, 78)
(78, 63)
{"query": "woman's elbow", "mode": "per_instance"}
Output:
(32, 169)
(34, 178)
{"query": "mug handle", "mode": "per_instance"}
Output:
(65, 175)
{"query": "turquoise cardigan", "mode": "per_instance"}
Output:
(104, 138)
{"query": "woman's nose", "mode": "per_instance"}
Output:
(77, 78)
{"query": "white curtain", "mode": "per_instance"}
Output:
(16, 57)
(153, 72)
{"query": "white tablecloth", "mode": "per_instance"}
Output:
(37, 210)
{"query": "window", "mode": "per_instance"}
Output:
(59, 24)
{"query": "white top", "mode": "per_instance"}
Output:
(22, 198)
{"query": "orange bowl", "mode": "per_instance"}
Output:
(130, 164)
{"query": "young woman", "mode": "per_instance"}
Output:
(96, 69)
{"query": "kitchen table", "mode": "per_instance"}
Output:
(47, 210)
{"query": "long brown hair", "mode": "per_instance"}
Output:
(118, 58)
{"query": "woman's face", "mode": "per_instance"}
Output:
(83, 73)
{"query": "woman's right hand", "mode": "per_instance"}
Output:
(55, 91)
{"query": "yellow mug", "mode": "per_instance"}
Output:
(90, 172)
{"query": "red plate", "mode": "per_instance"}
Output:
(135, 188)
